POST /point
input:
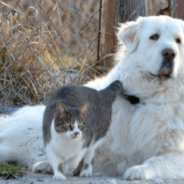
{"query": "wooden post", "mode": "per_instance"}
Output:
(109, 17)
(122, 11)
(109, 30)
(176, 9)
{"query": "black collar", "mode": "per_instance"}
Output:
(132, 99)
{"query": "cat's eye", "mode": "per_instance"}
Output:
(154, 37)
(80, 124)
(67, 125)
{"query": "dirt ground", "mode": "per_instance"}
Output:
(32, 178)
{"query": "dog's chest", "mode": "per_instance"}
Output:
(156, 128)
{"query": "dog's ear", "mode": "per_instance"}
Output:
(128, 35)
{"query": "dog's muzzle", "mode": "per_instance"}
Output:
(167, 67)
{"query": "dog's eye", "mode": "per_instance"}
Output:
(154, 37)
(178, 40)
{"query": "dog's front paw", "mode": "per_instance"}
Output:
(142, 172)
(59, 176)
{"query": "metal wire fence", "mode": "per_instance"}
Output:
(45, 44)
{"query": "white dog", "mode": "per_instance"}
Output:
(21, 137)
(146, 140)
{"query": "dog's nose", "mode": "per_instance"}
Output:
(169, 53)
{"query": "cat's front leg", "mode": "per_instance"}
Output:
(74, 162)
(87, 168)
(57, 164)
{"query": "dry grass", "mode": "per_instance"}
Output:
(31, 62)
(25, 58)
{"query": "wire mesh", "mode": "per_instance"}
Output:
(45, 44)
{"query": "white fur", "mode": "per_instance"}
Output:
(21, 137)
(146, 140)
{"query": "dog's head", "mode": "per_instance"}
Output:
(156, 45)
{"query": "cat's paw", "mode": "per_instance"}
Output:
(142, 172)
(59, 177)
(87, 172)
(43, 167)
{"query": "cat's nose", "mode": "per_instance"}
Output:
(76, 133)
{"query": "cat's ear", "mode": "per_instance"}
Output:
(83, 110)
(61, 110)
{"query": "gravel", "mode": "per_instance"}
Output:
(33, 178)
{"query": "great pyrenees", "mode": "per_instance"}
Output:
(145, 140)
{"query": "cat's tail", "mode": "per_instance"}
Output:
(116, 87)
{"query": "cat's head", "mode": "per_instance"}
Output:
(71, 121)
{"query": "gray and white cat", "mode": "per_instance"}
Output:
(75, 121)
